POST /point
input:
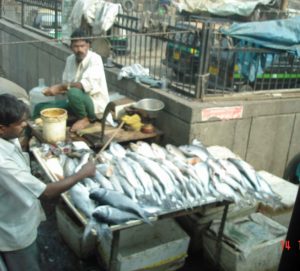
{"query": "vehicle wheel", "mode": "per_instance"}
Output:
(292, 171)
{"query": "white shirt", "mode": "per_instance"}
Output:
(90, 73)
(20, 208)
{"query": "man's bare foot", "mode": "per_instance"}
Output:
(80, 124)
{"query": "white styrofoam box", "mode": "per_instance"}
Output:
(72, 232)
(196, 224)
(288, 192)
(263, 257)
(149, 247)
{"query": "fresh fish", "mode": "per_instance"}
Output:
(175, 151)
(202, 172)
(127, 188)
(247, 170)
(116, 183)
(143, 176)
(80, 197)
(225, 190)
(84, 159)
(195, 150)
(224, 177)
(266, 188)
(105, 169)
(191, 188)
(117, 150)
(105, 157)
(62, 159)
(146, 149)
(158, 189)
(159, 152)
(89, 183)
(126, 170)
(155, 170)
(143, 149)
(175, 170)
(105, 183)
(118, 200)
(69, 167)
(232, 170)
(112, 216)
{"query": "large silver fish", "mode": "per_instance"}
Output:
(117, 150)
(195, 150)
(143, 149)
(104, 182)
(143, 176)
(80, 197)
(248, 171)
(111, 215)
(155, 170)
(116, 183)
(127, 188)
(89, 183)
(175, 151)
(126, 170)
(159, 152)
(69, 167)
(83, 160)
(202, 171)
(118, 200)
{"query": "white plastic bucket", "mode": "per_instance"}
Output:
(54, 124)
(36, 95)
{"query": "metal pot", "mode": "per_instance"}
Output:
(150, 106)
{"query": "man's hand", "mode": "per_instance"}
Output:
(88, 170)
(54, 90)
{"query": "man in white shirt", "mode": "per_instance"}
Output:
(84, 83)
(20, 191)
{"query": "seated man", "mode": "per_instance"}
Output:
(84, 83)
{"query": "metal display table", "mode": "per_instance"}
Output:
(116, 229)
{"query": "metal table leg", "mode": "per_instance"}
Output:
(219, 237)
(113, 261)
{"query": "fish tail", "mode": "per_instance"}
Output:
(87, 233)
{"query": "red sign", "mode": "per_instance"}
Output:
(222, 113)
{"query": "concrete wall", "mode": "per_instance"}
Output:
(267, 134)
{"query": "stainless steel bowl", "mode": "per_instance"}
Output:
(150, 106)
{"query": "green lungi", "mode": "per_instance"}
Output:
(78, 103)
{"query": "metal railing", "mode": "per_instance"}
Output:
(187, 53)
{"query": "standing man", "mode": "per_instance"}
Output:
(20, 208)
(84, 83)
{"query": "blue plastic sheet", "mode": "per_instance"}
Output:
(274, 34)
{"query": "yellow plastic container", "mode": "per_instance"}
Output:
(54, 124)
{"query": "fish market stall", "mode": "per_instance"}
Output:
(147, 183)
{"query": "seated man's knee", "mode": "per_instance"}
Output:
(74, 93)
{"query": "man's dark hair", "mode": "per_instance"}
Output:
(80, 34)
(12, 110)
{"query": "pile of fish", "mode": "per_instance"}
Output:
(148, 179)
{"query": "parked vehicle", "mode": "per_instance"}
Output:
(44, 20)
(231, 66)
